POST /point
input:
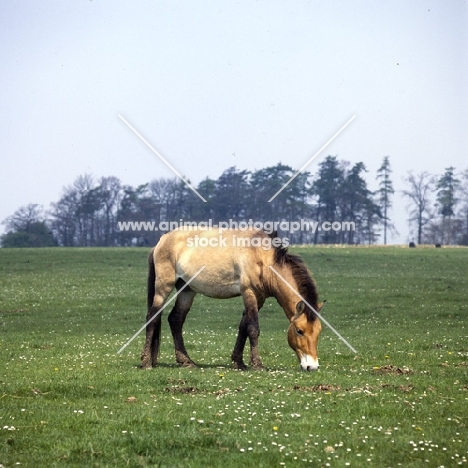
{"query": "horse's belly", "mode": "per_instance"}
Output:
(213, 282)
(217, 290)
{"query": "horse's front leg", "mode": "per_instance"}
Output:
(249, 327)
(238, 352)
(253, 331)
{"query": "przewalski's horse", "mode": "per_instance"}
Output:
(237, 263)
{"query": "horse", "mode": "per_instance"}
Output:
(248, 263)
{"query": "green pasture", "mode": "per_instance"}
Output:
(68, 399)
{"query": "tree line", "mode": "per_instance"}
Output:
(438, 207)
(90, 210)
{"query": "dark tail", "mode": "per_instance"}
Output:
(151, 280)
(156, 338)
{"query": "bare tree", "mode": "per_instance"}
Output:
(109, 193)
(420, 187)
(27, 228)
(22, 219)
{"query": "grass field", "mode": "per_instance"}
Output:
(68, 399)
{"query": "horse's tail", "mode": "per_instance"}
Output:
(151, 289)
(151, 280)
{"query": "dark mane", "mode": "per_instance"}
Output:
(305, 284)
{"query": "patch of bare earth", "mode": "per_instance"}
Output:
(402, 388)
(367, 389)
(393, 370)
(318, 388)
(183, 390)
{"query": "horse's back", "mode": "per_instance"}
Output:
(229, 261)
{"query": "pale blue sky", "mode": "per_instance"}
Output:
(212, 84)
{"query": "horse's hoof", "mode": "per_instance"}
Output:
(258, 367)
(239, 366)
(188, 364)
(145, 366)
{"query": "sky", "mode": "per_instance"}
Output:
(214, 84)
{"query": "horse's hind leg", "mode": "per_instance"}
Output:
(149, 355)
(176, 321)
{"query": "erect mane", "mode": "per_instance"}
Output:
(304, 282)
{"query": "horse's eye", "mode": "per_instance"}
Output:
(300, 332)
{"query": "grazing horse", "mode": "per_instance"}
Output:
(237, 263)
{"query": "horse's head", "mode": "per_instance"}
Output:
(304, 330)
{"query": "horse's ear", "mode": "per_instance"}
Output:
(321, 305)
(300, 309)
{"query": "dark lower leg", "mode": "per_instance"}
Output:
(176, 321)
(237, 354)
(253, 331)
(149, 355)
(181, 354)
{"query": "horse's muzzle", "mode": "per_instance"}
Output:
(308, 363)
